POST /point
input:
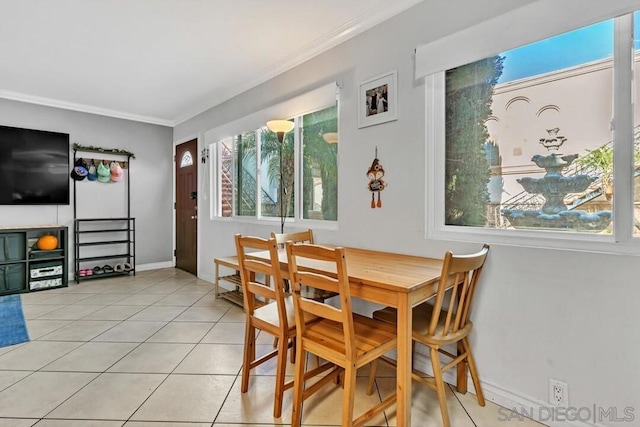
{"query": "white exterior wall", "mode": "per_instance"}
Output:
(583, 96)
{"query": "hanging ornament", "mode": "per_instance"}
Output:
(376, 183)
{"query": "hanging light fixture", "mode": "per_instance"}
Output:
(280, 127)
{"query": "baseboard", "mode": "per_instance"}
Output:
(208, 277)
(523, 405)
(154, 266)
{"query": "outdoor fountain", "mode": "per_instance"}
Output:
(554, 186)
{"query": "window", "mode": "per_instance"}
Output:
(320, 165)
(226, 173)
(244, 180)
(186, 160)
(636, 128)
(252, 178)
(528, 144)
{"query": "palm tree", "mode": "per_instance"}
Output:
(270, 152)
(321, 156)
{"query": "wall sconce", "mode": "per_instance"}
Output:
(280, 127)
(330, 137)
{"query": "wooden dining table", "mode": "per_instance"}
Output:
(395, 280)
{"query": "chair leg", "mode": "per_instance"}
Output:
(474, 372)
(372, 376)
(298, 389)
(349, 395)
(275, 342)
(293, 350)
(249, 354)
(280, 373)
(413, 354)
(440, 388)
(461, 369)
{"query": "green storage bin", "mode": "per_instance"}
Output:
(12, 247)
(12, 277)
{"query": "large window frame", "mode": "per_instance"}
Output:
(620, 241)
(298, 219)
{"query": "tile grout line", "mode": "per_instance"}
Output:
(462, 405)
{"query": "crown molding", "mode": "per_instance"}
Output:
(329, 40)
(83, 108)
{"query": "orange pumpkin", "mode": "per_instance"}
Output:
(47, 242)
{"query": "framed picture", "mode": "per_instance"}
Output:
(378, 100)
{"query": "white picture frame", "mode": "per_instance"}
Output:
(374, 94)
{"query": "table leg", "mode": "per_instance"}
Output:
(215, 280)
(403, 389)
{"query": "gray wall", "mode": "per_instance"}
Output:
(540, 313)
(151, 176)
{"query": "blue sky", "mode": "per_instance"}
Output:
(566, 50)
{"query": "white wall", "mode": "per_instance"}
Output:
(151, 175)
(541, 313)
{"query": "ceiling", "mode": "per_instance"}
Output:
(164, 61)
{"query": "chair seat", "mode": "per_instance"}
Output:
(372, 338)
(421, 320)
(269, 313)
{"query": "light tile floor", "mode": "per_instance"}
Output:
(159, 350)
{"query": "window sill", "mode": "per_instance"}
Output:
(579, 242)
(290, 223)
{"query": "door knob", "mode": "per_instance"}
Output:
(194, 216)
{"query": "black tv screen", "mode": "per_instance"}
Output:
(34, 167)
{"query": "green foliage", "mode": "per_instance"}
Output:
(318, 156)
(600, 161)
(270, 152)
(469, 91)
(245, 144)
(321, 156)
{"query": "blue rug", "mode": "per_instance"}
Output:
(13, 329)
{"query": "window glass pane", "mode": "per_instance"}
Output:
(528, 136)
(225, 167)
(245, 177)
(636, 125)
(186, 160)
(273, 189)
(320, 165)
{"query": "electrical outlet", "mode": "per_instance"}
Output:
(558, 393)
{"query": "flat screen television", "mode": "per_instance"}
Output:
(34, 167)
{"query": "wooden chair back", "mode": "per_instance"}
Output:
(463, 271)
(249, 268)
(323, 268)
(300, 236)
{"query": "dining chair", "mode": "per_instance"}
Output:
(340, 336)
(436, 325)
(305, 236)
(275, 318)
(299, 236)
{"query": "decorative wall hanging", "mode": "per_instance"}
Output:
(376, 183)
(378, 100)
